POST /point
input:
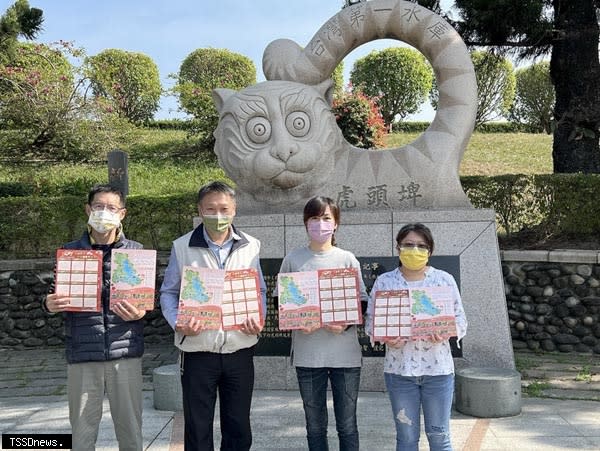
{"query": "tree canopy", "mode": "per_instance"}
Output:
(534, 98)
(204, 70)
(45, 111)
(569, 31)
(19, 20)
(129, 80)
(398, 78)
(495, 84)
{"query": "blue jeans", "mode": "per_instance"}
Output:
(344, 388)
(407, 395)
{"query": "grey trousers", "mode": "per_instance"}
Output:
(121, 380)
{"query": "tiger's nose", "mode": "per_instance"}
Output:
(284, 153)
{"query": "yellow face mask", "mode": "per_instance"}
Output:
(414, 258)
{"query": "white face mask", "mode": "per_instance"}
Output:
(104, 221)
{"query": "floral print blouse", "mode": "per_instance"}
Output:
(419, 358)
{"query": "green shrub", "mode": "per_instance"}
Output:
(573, 202)
(409, 126)
(36, 226)
(505, 127)
(157, 221)
(514, 198)
(15, 189)
(488, 127)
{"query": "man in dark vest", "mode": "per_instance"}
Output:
(103, 349)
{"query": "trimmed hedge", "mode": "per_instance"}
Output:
(46, 188)
(170, 124)
(488, 127)
(397, 127)
(551, 204)
(36, 226)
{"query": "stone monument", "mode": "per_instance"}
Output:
(279, 142)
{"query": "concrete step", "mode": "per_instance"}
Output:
(584, 395)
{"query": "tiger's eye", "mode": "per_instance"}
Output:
(258, 129)
(298, 123)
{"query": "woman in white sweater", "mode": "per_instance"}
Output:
(331, 352)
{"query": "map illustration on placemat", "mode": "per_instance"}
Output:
(310, 299)
(220, 299)
(133, 277)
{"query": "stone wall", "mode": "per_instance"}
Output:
(553, 300)
(23, 323)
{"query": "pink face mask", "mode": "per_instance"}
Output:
(320, 231)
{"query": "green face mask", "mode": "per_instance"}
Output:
(217, 223)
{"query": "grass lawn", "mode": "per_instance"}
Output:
(165, 162)
(499, 153)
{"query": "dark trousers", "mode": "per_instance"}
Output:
(344, 389)
(232, 376)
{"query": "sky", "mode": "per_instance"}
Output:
(168, 31)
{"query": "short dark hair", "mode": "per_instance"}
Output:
(316, 207)
(419, 229)
(215, 187)
(105, 188)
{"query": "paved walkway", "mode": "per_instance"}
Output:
(32, 400)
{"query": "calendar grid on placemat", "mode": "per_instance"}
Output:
(241, 298)
(338, 294)
(78, 276)
(392, 316)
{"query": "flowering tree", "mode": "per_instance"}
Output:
(359, 118)
(45, 109)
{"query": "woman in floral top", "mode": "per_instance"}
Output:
(419, 373)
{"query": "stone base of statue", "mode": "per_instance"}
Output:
(465, 245)
(488, 392)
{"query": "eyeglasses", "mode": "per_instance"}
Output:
(405, 246)
(102, 207)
